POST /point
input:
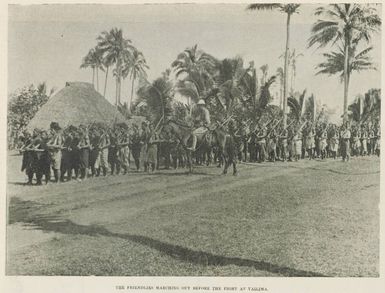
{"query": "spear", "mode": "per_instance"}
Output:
(224, 122)
(279, 122)
(256, 126)
(287, 127)
(247, 122)
(157, 125)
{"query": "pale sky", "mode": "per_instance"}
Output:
(48, 42)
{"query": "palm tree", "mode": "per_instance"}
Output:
(93, 60)
(289, 9)
(115, 49)
(192, 59)
(372, 105)
(366, 108)
(98, 61)
(249, 87)
(264, 68)
(228, 90)
(355, 111)
(87, 63)
(334, 63)
(194, 70)
(135, 67)
(196, 85)
(107, 62)
(265, 95)
(346, 25)
(297, 106)
(157, 97)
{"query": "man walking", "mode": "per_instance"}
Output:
(261, 144)
(54, 146)
(201, 120)
(84, 152)
(345, 147)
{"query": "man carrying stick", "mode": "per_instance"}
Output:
(84, 152)
(54, 146)
(345, 147)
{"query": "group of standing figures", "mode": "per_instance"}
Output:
(98, 150)
(308, 141)
(93, 150)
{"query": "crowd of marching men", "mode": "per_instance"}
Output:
(310, 140)
(101, 150)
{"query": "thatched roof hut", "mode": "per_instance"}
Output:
(77, 103)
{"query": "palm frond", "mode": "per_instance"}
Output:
(257, 6)
(294, 106)
(324, 37)
(265, 95)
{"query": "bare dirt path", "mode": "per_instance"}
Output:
(309, 218)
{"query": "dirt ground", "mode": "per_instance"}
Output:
(307, 218)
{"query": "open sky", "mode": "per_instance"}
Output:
(48, 42)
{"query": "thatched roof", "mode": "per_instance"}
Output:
(77, 103)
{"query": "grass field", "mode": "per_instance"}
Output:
(307, 218)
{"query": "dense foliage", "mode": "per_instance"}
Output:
(22, 107)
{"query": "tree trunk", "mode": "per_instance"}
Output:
(116, 91)
(120, 90)
(118, 81)
(256, 89)
(97, 79)
(285, 84)
(93, 77)
(105, 83)
(346, 81)
(132, 92)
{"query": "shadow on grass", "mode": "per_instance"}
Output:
(184, 173)
(293, 166)
(19, 212)
(19, 183)
(14, 154)
(336, 171)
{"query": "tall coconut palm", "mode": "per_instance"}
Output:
(345, 25)
(289, 10)
(115, 49)
(135, 66)
(93, 60)
(107, 63)
(98, 60)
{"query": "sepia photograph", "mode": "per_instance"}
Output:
(199, 139)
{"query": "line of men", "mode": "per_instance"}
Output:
(101, 150)
(97, 148)
(268, 143)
